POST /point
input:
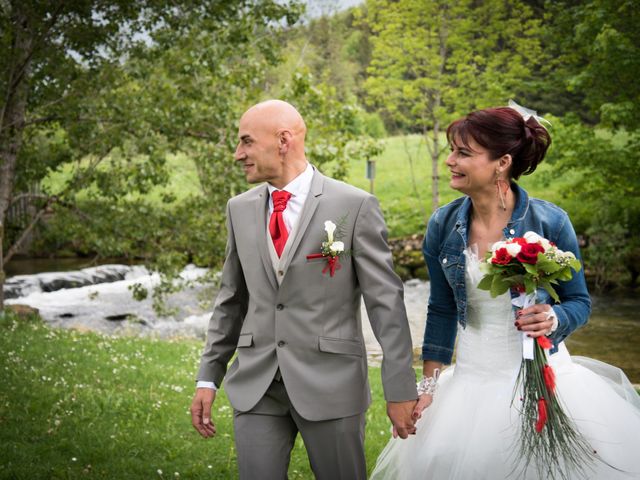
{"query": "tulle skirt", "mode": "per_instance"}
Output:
(470, 430)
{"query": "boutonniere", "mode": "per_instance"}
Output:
(332, 248)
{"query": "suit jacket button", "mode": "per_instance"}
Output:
(280, 307)
(281, 343)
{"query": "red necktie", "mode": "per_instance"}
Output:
(277, 228)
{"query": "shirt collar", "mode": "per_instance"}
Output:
(299, 185)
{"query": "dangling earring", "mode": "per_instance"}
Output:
(502, 194)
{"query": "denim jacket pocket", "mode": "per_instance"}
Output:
(449, 263)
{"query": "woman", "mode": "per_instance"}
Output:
(468, 427)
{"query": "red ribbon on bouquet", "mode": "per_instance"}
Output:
(333, 263)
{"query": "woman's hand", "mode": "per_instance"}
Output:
(431, 371)
(536, 320)
(424, 401)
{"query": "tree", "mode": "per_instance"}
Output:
(435, 60)
(595, 54)
(597, 43)
(83, 74)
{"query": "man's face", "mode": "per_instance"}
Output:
(258, 149)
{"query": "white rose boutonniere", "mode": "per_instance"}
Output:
(332, 248)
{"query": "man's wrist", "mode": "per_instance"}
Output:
(204, 384)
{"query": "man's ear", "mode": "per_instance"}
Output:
(284, 141)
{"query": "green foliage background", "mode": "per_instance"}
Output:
(135, 160)
(123, 115)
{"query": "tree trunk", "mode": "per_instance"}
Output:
(1, 269)
(13, 113)
(435, 157)
(437, 103)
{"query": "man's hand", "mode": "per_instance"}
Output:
(201, 412)
(401, 416)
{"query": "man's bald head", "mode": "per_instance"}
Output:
(276, 115)
(271, 146)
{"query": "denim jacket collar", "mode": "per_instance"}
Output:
(521, 207)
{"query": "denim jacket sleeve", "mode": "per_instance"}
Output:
(575, 307)
(441, 328)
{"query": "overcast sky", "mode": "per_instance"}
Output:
(319, 7)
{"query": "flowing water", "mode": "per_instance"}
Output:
(612, 334)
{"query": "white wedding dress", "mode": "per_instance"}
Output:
(470, 430)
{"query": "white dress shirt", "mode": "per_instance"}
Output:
(299, 189)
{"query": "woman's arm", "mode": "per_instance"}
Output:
(442, 315)
(575, 306)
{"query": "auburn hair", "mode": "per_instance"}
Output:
(503, 131)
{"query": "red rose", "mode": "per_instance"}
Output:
(501, 257)
(520, 241)
(529, 253)
(520, 288)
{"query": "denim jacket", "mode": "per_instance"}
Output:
(446, 239)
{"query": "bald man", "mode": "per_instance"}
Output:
(294, 321)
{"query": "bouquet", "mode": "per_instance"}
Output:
(525, 264)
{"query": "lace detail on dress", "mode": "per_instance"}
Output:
(490, 343)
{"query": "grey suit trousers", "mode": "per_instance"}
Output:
(266, 434)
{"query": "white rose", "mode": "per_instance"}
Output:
(498, 245)
(329, 227)
(337, 247)
(568, 255)
(513, 248)
(532, 237)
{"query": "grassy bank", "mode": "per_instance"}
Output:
(81, 405)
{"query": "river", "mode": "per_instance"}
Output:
(612, 334)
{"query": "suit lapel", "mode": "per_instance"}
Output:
(261, 234)
(308, 210)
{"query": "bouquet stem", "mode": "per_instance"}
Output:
(548, 438)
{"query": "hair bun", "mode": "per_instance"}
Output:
(504, 131)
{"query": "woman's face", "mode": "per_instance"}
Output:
(472, 171)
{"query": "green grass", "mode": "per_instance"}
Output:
(81, 405)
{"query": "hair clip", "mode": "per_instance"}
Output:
(527, 113)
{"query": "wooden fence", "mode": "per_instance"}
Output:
(24, 207)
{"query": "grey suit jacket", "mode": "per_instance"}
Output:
(309, 326)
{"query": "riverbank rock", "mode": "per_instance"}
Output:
(23, 285)
(407, 257)
(24, 312)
